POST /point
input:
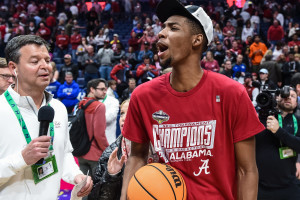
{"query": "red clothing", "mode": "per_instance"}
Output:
(62, 40)
(229, 28)
(249, 91)
(2, 31)
(118, 73)
(96, 125)
(134, 43)
(210, 65)
(294, 43)
(45, 33)
(275, 33)
(140, 70)
(75, 40)
(195, 131)
(50, 21)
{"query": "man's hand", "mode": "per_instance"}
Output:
(272, 124)
(85, 190)
(36, 149)
(115, 165)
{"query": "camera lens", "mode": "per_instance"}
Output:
(263, 100)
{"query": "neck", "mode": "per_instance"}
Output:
(36, 94)
(284, 113)
(185, 78)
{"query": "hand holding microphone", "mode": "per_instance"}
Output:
(38, 148)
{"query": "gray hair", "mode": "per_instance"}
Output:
(12, 49)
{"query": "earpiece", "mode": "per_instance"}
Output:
(15, 72)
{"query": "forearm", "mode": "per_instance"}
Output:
(247, 184)
(132, 165)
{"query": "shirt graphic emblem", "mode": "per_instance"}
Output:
(160, 116)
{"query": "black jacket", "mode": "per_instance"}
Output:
(273, 171)
(107, 187)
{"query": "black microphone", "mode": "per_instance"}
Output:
(45, 116)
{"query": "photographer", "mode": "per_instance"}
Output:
(277, 148)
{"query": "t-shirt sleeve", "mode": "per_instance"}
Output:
(134, 127)
(246, 123)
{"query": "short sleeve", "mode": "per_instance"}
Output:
(134, 127)
(246, 123)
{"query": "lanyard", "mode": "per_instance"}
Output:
(104, 99)
(294, 120)
(25, 131)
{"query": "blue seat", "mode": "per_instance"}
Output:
(80, 81)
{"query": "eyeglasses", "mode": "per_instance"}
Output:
(102, 89)
(7, 76)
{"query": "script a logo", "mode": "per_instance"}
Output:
(160, 116)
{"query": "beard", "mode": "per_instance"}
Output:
(165, 64)
(284, 108)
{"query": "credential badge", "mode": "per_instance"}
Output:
(160, 116)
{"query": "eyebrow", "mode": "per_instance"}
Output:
(170, 24)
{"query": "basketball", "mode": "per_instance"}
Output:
(157, 181)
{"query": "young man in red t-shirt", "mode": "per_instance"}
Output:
(200, 122)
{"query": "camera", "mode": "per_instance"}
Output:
(266, 100)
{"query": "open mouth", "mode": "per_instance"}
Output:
(161, 47)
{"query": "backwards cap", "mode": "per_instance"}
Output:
(168, 8)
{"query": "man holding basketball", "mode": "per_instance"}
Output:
(200, 122)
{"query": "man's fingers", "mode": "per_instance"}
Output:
(114, 153)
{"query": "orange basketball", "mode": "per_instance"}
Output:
(157, 181)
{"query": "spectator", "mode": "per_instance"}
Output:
(91, 38)
(219, 53)
(257, 51)
(255, 22)
(44, 32)
(99, 39)
(111, 113)
(30, 29)
(275, 33)
(96, 124)
(239, 66)
(114, 42)
(289, 69)
(118, 54)
(62, 43)
(51, 21)
(54, 84)
(146, 52)
(6, 77)
(138, 30)
(68, 92)
(294, 42)
(251, 90)
(81, 50)
(75, 41)
(277, 51)
(264, 82)
(218, 32)
(227, 69)
(146, 70)
(105, 55)
(69, 66)
(133, 42)
(209, 63)
(273, 69)
(131, 56)
(156, 27)
(90, 63)
(247, 31)
(126, 94)
(112, 89)
(229, 29)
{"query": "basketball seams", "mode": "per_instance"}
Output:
(183, 186)
(165, 178)
(143, 187)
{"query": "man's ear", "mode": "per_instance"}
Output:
(198, 40)
(12, 67)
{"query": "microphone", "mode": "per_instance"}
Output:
(45, 116)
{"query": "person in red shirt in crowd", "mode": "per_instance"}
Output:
(43, 31)
(275, 33)
(209, 63)
(75, 42)
(230, 28)
(62, 43)
(235, 48)
(2, 28)
(146, 71)
(133, 42)
(51, 21)
(295, 41)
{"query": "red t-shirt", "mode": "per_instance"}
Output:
(195, 131)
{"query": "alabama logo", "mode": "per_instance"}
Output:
(160, 116)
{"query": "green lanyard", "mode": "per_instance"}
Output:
(17, 112)
(104, 99)
(294, 120)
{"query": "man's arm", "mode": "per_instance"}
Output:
(247, 174)
(137, 159)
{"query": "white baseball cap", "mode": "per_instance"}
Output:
(263, 71)
(168, 8)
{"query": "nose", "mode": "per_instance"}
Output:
(11, 80)
(161, 34)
